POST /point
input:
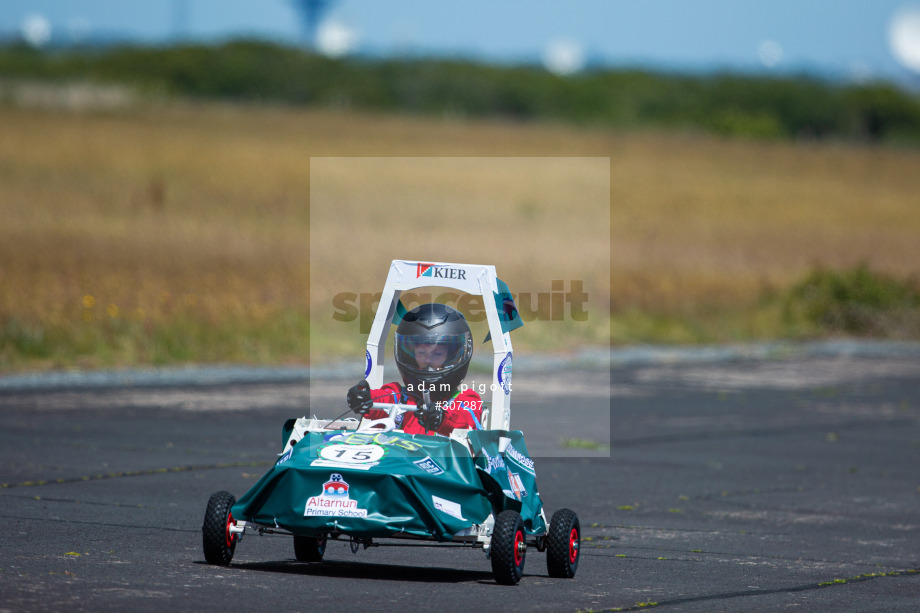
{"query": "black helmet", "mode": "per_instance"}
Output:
(433, 350)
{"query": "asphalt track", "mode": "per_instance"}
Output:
(759, 485)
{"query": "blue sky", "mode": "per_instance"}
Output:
(845, 38)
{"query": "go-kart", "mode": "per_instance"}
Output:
(366, 480)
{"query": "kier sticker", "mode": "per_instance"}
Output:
(428, 269)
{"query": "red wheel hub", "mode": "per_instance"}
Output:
(573, 545)
(230, 537)
(519, 548)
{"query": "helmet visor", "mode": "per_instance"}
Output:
(433, 352)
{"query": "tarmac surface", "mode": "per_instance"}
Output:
(731, 485)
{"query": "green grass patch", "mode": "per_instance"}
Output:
(825, 302)
(581, 444)
(282, 337)
(856, 301)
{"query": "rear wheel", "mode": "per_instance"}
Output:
(309, 549)
(562, 544)
(508, 549)
(219, 543)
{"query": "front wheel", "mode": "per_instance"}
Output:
(219, 543)
(309, 549)
(562, 544)
(508, 548)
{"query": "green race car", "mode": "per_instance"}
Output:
(361, 481)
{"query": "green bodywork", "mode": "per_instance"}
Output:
(392, 484)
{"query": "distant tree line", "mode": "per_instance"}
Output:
(733, 104)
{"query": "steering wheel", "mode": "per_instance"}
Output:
(389, 423)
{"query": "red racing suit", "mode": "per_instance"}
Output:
(462, 411)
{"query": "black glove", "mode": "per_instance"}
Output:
(430, 416)
(359, 397)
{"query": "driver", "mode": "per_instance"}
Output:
(433, 349)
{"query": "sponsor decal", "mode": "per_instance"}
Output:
(451, 508)
(493, 463)
(427, 269)
(334, 500)
(428, 464)
(504, 374)
(285, 457)
(517, 486)
(379, 439)
(369, 362)
(520, 459)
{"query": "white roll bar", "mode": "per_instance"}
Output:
(473, 279)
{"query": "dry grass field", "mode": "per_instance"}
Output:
(185, 232)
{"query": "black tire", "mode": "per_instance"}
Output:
(309, 549)
(219, 543)
(563, 544)
(508, 549)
